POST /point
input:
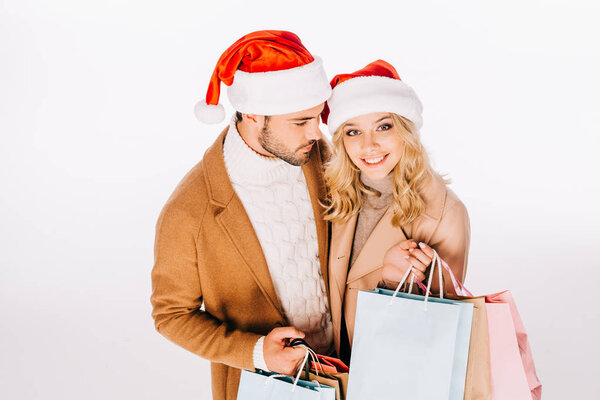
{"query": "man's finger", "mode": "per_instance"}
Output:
(287, 332)
(294, 353)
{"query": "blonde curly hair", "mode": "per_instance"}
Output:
(346, 191)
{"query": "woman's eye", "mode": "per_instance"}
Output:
(301, 123)
(352, 132)
(384, 127)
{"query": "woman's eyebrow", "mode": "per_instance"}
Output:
(382, 118)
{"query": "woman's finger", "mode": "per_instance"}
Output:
(426, 249)
(393, 272)
(421, 256)
(416, 263)
(419, 276)
(407, 244)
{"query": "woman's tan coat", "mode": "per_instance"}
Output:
(444, 226)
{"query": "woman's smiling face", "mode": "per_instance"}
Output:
(373, 143)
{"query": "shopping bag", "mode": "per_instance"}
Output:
(326, 370)
(337, 380)
(511, 366)
(332, 372)
(478, 383)
(330, 364)
(261, 385)
(512, 369)
(409, 346)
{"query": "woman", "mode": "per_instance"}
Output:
(388, 208)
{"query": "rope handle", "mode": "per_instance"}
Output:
(309, 352)
(460, 289)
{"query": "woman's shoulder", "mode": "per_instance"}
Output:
(443, 208)
(439, 198)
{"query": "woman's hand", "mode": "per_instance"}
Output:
(400, 257)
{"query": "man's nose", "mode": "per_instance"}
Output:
(314, 133)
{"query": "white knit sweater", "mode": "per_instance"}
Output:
(276, 199)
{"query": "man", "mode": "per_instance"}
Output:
(243, 236)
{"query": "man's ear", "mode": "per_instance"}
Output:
(250, 118)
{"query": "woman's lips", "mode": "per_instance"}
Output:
(376, 164)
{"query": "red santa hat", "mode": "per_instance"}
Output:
(267, 73)
(374, 88)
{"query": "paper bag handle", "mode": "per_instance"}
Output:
(436, 261)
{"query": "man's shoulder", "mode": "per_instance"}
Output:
(192, 194)
(190, 197)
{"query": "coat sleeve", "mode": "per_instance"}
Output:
(177, 297)
(451, 240)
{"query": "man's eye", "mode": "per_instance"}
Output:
(385, 127)
(352, 132)
(301, 123)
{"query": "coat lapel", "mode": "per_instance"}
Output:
(342, 237)
(235, 222)
(313, 173)
(370, 258)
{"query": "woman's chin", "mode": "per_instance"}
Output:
(375, 175)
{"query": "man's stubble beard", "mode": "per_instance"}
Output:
(278, 149)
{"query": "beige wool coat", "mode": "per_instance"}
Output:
(212, 292)
(444, 226)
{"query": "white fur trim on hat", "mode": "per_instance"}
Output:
(209, 113)
(369, 94)
(280, 92)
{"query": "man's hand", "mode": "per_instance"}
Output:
(400, 257)
(281, 359)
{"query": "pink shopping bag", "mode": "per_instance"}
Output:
(512, 371)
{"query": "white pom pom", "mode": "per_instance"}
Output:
(209, 113)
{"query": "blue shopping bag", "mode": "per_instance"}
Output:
(409, 346)
(263, 385)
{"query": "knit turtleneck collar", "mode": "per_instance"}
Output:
(384, 186)
(244, 165)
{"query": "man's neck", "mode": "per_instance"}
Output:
(251, 139)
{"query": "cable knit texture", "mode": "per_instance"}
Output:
(258, 356)
(276, 199)
(372, 210)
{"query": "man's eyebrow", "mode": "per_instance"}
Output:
(302, 119)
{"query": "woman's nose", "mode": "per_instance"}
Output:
(369, 142)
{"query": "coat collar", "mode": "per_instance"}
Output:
(383, 236)
(370, 257)
(220, 189)
(313, 173)
(342, 236)
(235, 222)
(434, 195)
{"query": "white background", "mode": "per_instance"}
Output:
(97, 128)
